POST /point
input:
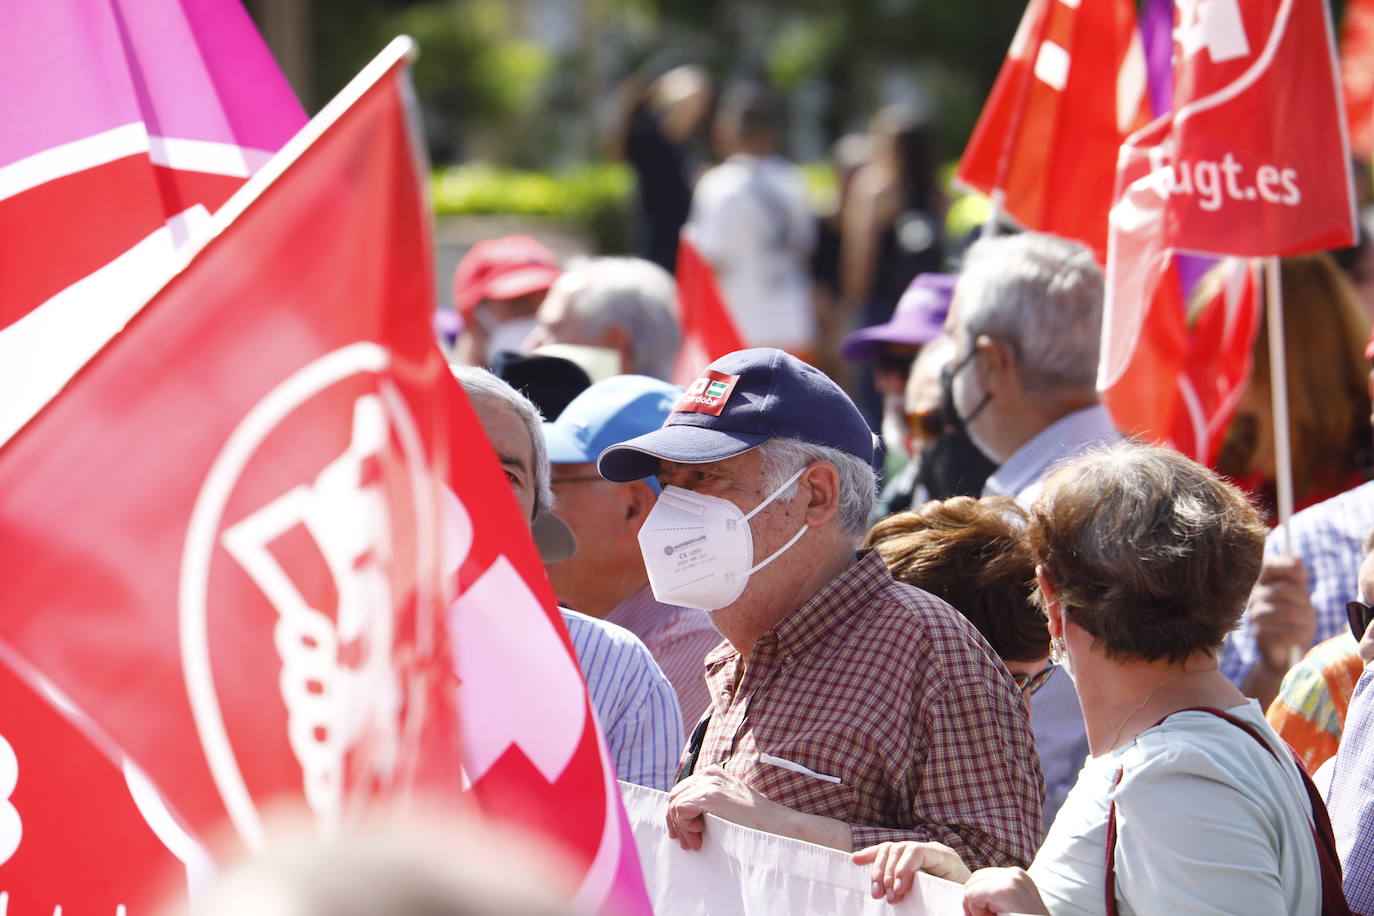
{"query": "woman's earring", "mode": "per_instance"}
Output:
(1059, 650)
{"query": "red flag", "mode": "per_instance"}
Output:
(1071, 89)
(76, 831)
(1252, 161)
(708, 331)
(219, 541)
(1357, 74)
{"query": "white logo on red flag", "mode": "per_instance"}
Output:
(11, 825)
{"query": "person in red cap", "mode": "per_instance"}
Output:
(497, 288)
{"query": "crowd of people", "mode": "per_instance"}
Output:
(939, 613)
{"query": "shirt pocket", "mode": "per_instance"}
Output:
(804, 784)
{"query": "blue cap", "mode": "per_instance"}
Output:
(739, 402)
(611, 411)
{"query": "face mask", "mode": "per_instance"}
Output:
(504, 335)
(699, 549)
(949, 405)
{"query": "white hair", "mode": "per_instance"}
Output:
(633, 294)
(480, 384)
(1041, 295)
(783, 457)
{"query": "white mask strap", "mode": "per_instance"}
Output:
(786, 483)
(777, 553)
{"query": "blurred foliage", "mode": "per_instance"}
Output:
(595, 198)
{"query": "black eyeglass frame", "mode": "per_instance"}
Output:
(1030, 683)
(1359, 614)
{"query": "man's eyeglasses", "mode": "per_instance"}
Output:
(1030, 683)
(926, 425)
(1359, 614)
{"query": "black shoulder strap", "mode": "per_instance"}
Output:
(693, 751)
(1333, 895)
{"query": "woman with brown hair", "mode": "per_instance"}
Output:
(1189, 803)
(1324, 331)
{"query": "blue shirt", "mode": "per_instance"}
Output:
(1329, 539)
(634, 702)
(1056, 718)
(1350, 801)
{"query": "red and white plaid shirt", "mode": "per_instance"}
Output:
(879, 705)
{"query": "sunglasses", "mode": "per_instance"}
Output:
(926, 425)
(1030, 683)
(1359, 615)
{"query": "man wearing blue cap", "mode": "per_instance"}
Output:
(847, 709)
(606, 578)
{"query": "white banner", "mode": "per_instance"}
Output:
(743, 872)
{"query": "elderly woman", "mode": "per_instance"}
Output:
(973, 553)
(1189, 803)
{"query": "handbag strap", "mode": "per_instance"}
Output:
(1333, 896)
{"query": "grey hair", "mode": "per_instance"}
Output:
(783, 457)
(480, 384)
(1041, 295)
(636, 295)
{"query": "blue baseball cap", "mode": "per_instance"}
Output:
(739, 402)
(611, 411)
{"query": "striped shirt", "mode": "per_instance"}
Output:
(679, 639)
(1350, 801)
(879, 705)
(634, 702)
(1056, 717)
(1329, 538)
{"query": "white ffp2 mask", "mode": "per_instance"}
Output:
(699, 549)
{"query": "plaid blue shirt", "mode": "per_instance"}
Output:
(634, 702)
(1329, 538)
(1350, 801)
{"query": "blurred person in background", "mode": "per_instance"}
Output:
(497, 289)
(751, 219)
(1190, 802)
(635, 704)
(625, 306)
(1351, 802)
(1300, 599)
(974, 554)
(891, 348)
(848, 154)
(662, 118)
(606, 577)
(1325, 327)
(890, 227)
(551, 382)
(1027, 328)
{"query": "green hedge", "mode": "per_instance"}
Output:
(594, 197)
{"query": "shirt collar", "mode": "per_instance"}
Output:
(1068, 437)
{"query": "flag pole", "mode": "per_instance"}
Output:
(1278, 376)
(990, 228)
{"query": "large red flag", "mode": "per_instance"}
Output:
(1252, 161)
(1357, 74)
(127, 122)
(708, 331)
(1071, 90)
(220, 540)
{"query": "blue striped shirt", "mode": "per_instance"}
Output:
(1350, 801)
(635, 705)
(1329, 539)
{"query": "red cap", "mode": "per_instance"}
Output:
(504, 268)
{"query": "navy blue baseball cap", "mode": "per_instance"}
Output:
(739, 402)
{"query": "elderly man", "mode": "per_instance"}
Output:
(497, 288)
(625, 305)
(605, 578)
(1027, 326)
(634, 702)
(846, 708)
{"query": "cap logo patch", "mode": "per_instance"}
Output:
(707, 394)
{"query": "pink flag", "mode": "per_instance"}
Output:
(126, 123)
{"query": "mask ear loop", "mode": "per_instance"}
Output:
(796, 537)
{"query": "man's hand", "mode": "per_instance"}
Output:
(714, 791)
(1001, 890)
(895, 866)
(1283, 621)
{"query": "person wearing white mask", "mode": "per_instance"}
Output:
(846, 708)
(498, 287)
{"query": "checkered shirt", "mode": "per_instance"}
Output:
(879, 705)
(1350, 801)
(1329, 538)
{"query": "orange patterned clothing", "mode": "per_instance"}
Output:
(1309, 711)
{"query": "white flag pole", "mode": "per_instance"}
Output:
(1278, 377)
(990, 228)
